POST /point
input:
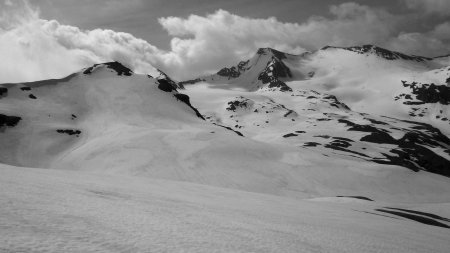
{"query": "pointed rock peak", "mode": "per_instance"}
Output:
(165, 83)
(118, 67)
(165, 78)
(274, 52)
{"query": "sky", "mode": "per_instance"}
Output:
(42, 39)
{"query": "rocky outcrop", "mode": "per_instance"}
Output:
(9, 121)
(116, 66)
(425, 94)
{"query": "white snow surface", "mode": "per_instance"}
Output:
(46, 210)
(145, 174)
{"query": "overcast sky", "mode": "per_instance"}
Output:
(140, 17)
(191, 37)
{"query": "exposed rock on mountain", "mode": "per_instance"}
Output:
(381, 52)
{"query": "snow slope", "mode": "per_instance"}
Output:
(368, 79)
(67, 211)
(316, 121)
(371, 83)
(108, 160)
(110, 120)
(356, 101)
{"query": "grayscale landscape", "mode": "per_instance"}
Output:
(224, 126)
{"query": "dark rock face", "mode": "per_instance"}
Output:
(116, 66)
(32, 96)
(69, 132)
(343, 145)
(119, 68)
(185, 99)
(426, 93)
(422, 95)
(289, 135)
(333, 101)
(198, 80)
(381, 52)
(3, 92)
(229, 128)
(412, 150)
(235, 71)
(277, 84)
(9, 121)
(89, 70)
(241, 102)
(380, 137)
(229, 72)
(166, 86)
(25, 88)
(276, 69)
(165, 78)
(311, 144)
(339, 143)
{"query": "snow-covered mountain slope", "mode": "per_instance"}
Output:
(352, 102)
(372, 80)
(55, 117)
(109, 120)
(46, 210)
(311, 120)
(124, 162)
(368, 79)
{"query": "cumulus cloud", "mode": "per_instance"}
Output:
(33, 48)
(222, 38)
(441, 7)
(442, 31)
(418, 44)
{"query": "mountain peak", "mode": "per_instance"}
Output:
(268, 51)
(116, 66)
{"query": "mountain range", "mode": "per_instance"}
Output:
(358, 132)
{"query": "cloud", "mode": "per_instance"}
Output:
(33, 48)
(441, 7)
(418, 44)
(222, 38)
(442, 31)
